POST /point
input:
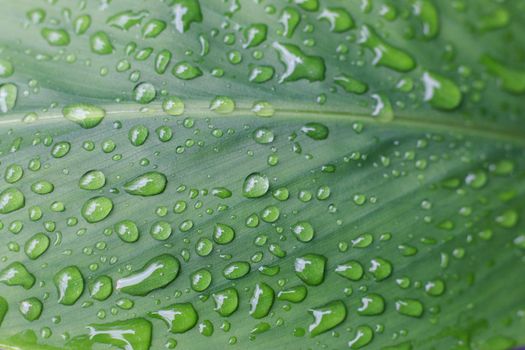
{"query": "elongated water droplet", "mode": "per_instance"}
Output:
(427, 12)
(339, 19)
(153, 28)
(185, 12)
(315, 131)
(81, 24)
(261, 301)
(16, 274)
(186, 71)
(298, 65)
(351, 269)
(125, 20)
(511, 80)
(132, 334)
(56, 37)
(156, 273)
(236, 270)
(222, 105)
(162, 61)
(294, 294)
(86, 115)
(147, 184)
(441, 92)
(350, 84)
(8, 96)
(384, 53)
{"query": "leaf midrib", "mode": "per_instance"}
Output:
(201, 110)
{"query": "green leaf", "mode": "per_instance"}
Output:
(262, 174)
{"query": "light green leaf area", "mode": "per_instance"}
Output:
(307, 174)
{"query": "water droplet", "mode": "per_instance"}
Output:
(261, 301)
(350, 84)
(339, 19)
(8, 96)
(6, 68)
(223, 234)
(100, 43)
(409, 307)
(363, 336)
(303, 231)
(81, 24)
(36, 245)
(11, 199)
(13, 173)
(180, 318)
(263, 109)
(200, 280)
(96, 209)
(125, 20)
(185, 12)
(385, 54)
(148, 184)
(327, 317)
(315, 131)
(127, 231)
(86, 115)
(254, 35)
(441, 92)
(236, 270)
(16, 274)
(56, 37)
(69, 284)
(101, 288)
(144, 93)
(380, 268)
(138, 134)
(310, 268)
(371, 305)
(255, 185)
(92, 180)
(156, 273)
(186, 71)
(153, 28)
(351, 270)
(298, 65)
(222, 105)
(173, 106)
(31, 308)
(226, 301)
